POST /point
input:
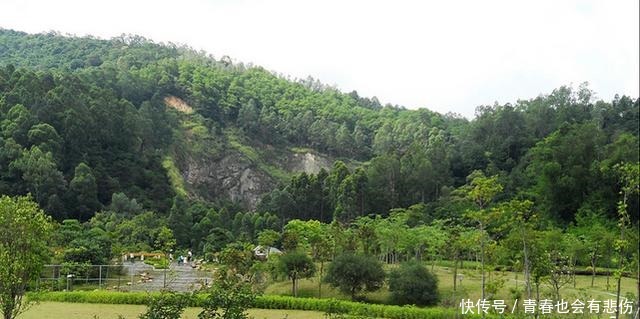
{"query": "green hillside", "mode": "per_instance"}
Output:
(127, 125)
(115, 147)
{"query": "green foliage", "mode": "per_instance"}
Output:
(99, 297)
(238, 257)
(257, 158)
(84, 191)
(46, 182)
(227, 299)
(265, 302)
(142, 232)
(413, 284)
(268, 237)
(166, 305)
(102, 103)
(562, 171)
(177, 183)
(82, 244)
(482, 189)
(85, 125)
(296, 265)
(23, 250)
(353, 274)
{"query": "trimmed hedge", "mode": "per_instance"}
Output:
(105, 297)
(264, 302)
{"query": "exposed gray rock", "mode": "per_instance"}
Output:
(233, 177)
(309, 162)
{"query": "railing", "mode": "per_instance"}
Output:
(128, 276)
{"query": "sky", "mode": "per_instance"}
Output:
(448, 56)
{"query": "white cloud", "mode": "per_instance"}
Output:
(448, 56)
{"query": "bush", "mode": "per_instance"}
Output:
(166, 306)
(353, 274)
(413, 284)
(227, 299)
(296, 265)
(268, 302)
(102, 297)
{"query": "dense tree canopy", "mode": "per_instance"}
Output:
(88, 128)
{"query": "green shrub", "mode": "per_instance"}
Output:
(103, 297)
(227, 300)
(266, 302)
(413, 284)
(353, 274)
(166, 305)
(296, 265)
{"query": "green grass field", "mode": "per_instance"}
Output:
(470, 287)
(63, 310)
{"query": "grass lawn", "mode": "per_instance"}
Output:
(471, 287)
(62, 310)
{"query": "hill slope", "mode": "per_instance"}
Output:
(83, 119)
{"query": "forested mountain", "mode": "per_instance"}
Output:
(124, 126)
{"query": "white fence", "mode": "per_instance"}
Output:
(128, 276)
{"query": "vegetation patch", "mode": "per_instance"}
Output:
(177, 183)
(256, 158)
(262, 302)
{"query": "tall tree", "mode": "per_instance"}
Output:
(84, 192)
(23, 250)
(181, 221)
(43, 179)
(296, 265)
(481, 190)
(629, 176)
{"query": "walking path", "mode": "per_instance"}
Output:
(176, 278)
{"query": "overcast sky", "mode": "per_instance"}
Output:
(443, 55)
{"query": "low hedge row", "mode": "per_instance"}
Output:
(104, 297)
(264, 302)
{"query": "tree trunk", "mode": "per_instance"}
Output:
(618, 292)
(482, 260)
(621, 262)
(573, 270)
(294, 288)
(320, 280)
(593, 271)
(455, 271)
(537, 296)
(527, 271)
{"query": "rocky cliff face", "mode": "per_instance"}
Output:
(232, 177)
(236, 178)
(212, 168)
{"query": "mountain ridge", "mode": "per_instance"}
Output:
(84, 119)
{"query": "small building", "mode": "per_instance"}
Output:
(131, 257)
(263, 252)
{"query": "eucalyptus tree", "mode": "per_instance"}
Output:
(481, 190)
(629, 177)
